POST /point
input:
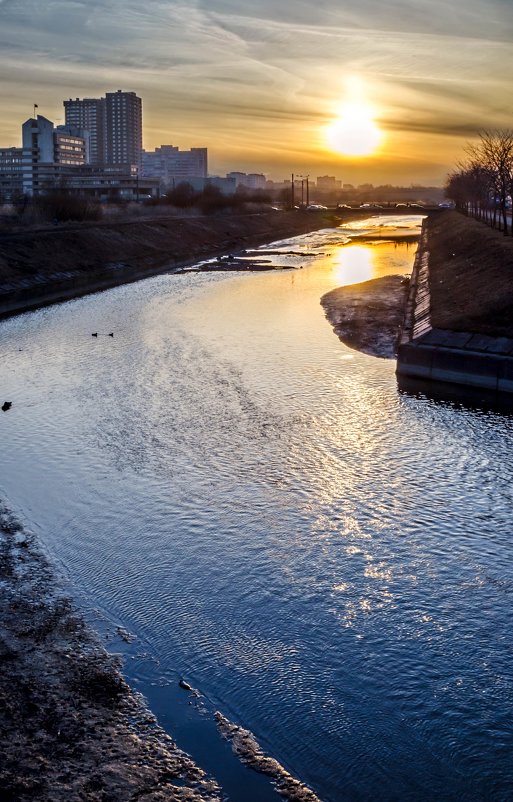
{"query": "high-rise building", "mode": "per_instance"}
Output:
(89, 114)
(114, 123)
(123, 114)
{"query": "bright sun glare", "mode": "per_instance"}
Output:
(354, 133)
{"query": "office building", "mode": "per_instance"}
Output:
(56, 158)
(172, 165)
(248, 180)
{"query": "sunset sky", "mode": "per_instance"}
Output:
(260, 83)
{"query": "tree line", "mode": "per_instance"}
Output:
(482, 184)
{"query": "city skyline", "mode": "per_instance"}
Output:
(261, 86)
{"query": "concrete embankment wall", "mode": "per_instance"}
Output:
(49, 265)
(476, 366)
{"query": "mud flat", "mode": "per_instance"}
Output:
(70, 728)
(368, 316)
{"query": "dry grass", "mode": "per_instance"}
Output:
(471, 276)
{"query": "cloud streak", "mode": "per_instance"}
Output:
(260, 74)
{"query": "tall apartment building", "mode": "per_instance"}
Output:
(173, 165)
(123, 114)
(114, 123)
(89, 114)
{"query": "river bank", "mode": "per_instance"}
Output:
(71, 728)
(458, 331)
(50, 265)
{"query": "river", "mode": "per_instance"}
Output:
(328, 561)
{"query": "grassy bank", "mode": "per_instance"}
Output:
(470, 276)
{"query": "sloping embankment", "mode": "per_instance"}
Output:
(54, 264)
(458, 331)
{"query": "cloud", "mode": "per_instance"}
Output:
(261, 71)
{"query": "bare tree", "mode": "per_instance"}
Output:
(494, 153)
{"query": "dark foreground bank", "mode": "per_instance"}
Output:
(70, 727)
(55, 264)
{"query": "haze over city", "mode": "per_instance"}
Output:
(274, 88)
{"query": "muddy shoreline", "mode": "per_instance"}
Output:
(70, 727)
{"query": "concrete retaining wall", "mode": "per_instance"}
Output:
(453, 359)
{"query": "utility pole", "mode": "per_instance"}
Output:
(304, 179)
(292, 192)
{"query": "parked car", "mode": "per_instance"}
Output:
(316, 207)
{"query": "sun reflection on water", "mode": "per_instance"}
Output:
(354, 263)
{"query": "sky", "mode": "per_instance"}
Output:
(260, 82)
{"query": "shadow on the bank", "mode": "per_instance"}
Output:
(473, 398)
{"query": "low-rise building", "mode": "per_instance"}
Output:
(172, 166)
(248, 180)
(225, 185)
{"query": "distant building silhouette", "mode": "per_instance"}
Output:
(328, 183)
(172, 165)
(248, 180)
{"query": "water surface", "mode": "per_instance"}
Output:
(328, 561)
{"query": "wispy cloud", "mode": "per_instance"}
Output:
(261, 72)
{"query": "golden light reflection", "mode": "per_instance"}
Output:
(354, 263)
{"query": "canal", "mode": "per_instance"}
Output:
(328, 561)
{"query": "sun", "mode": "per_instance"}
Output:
(354, 133)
